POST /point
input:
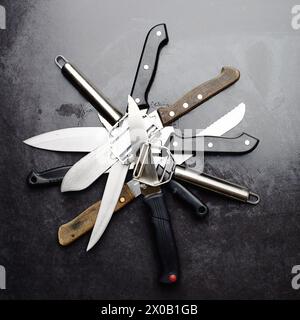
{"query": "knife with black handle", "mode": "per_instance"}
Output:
(156, 39)
(241, 144)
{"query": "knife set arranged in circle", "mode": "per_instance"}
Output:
(147, 145)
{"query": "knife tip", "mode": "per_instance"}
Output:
(27, 141)
(242, 105)
(90, 246)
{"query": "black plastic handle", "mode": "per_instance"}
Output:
(156, 39)
(52, 176)
(241, 144)
(164, 236)
(200, 209)
(244, 143)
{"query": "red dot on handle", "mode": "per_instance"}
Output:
(172, 278)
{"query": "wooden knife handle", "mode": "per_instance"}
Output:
(198, 95)
(84, 222)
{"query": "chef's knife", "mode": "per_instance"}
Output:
(84, 222)
(77, 139)
(87, 139)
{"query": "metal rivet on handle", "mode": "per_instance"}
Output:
(122, 199)
(137, 100)
(210, 144)
(158, 33)
(200, 96)
(172, 114)
(146, 67)
(247, 142)
(185, 105)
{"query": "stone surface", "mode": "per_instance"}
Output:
(240, 251)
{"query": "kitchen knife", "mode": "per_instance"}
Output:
(156, 39)
(78, 139)
(84, 222)
(113, 188)
(66, 140)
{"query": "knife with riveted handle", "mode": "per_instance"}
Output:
(85, 221)
(199, 95)
(156, 39)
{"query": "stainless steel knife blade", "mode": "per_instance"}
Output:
(78, 139)
(110, 198)
(88, 169)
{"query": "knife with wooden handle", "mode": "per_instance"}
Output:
(84, 222)
(199, 95)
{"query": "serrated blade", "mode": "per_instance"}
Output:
(217, 128)
(81, 139)
(225, 123)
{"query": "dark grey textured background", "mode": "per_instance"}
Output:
(240, 251)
